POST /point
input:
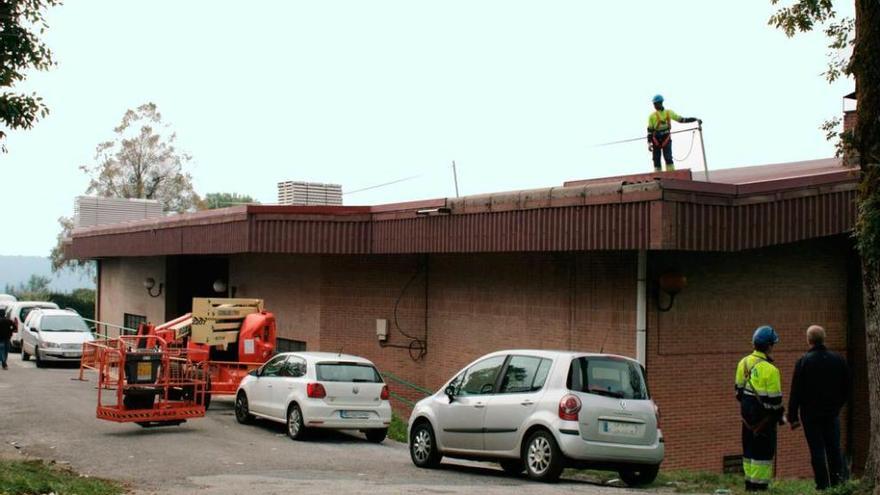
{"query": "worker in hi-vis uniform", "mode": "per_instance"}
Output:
(659, 137)
(759, 391)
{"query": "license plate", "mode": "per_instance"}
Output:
(615, 428)
(145, 371)
(71, 354)
(354, 414)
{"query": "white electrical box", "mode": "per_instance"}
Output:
(382, 329)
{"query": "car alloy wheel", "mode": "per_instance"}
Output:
(542, 458)
(295, 427)
(422, 445)
(539, 455)
(423, 449)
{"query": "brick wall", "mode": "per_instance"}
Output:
(693, 349)
(473, 304)
(289, 287)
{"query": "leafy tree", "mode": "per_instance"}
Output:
(35, 289)
(141, 162)
(862, 145)
(222, 200)
(21, 23)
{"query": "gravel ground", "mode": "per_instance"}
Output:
(47, 413)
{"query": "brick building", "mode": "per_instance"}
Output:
(571, 267)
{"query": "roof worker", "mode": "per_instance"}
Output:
(659, 137)
(759, 391)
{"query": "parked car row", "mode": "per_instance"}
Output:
(531, 411)
(42, 330)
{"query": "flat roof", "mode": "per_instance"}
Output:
(740, 208)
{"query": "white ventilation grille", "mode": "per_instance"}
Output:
(309, 193)
(89, 211)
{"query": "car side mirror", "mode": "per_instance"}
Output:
(34, 330)
(255, 373)
(450, 392)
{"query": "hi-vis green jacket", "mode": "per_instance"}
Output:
(757, 377)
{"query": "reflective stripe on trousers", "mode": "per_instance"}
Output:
(758, 472)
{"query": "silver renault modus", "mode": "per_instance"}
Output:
(540, 412)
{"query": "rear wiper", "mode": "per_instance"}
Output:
(606, 393)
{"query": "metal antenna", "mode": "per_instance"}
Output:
(455, 177)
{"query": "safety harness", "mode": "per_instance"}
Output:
(666, 135)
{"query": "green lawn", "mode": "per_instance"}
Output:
(703, 482)
(18, 477)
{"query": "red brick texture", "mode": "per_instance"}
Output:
(466, 305)
(693, 349)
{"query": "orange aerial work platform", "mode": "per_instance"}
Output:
(168, 373)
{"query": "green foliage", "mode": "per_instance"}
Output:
(805, 15)
(28, 477)
(80, 300)
(21, 50)
(222, 200)
(142, 162)
(37, 289)
(397, 429)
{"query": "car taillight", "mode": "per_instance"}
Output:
(385, 395)
(657, 414)
(316, 391)
(569, 407)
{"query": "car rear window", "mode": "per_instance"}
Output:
(347, 372)
(63, 323)
(26, 310)
(612, 377)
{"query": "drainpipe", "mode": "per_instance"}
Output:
(642, 307)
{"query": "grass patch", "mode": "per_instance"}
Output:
(705, 482)
(397, 429)
(18, 477)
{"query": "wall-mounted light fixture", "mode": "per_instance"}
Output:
(670, 283)
(220, 287)
(149, 284)
(443, 210)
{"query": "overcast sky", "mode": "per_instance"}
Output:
(366, 92)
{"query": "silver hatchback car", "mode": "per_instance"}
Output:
(542, 411)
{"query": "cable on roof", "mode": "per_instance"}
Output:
(691, 149)
(632, 140)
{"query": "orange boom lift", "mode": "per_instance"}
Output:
(168, 373)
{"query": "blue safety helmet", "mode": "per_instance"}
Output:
(765, 335)
(657, 99)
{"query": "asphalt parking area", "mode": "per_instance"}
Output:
(46, 413)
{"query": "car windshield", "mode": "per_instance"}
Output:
(25, 311)
(63, 323)
(608, 376)
(347, 372)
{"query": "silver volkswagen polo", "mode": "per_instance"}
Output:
(540, 412)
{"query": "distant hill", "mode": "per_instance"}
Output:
(18, 269)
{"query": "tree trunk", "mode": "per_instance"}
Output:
(865, 67)
(871, 285)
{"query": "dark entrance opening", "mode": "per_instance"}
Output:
(193, 276)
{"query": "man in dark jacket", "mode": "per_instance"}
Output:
(6, 327)
(819, 388)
